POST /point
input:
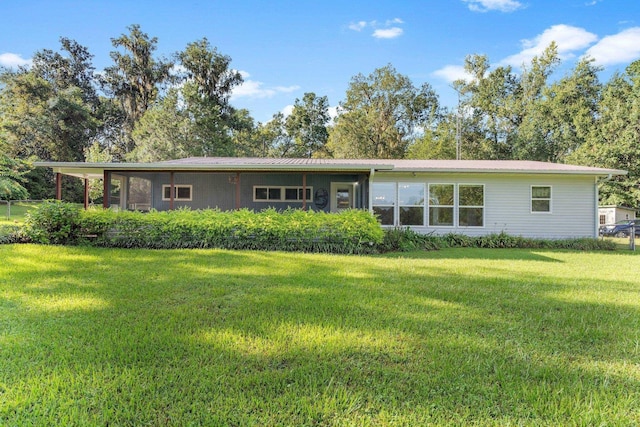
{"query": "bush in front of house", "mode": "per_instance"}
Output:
(406, 240)
(347, 232)
(10, 233)
(53, 222)
(351, 231)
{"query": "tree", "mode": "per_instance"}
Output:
(613, 142)
(381, 115)
(11, 178)
(164, 132)
(210, 72)
(97, 154)
(307, 125)
(559, 121)
(276, 140)
(48, 110)
(194, 119)
(525, 117)
(134, 79)
(437, 143)
(73, 70)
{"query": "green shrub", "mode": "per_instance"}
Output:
(351, 231)
(10, 233)
(52, 222)
(406, 240)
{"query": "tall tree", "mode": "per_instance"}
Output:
(438, 142)
(613, 142)
(277, 141)
(48, 111)
(135, 78)
(194, 119)
(307, 125)
(559, 121)
(210, 72)
(381, 115)
(74, 69)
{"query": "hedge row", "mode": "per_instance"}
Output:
(402, 240)
(351, 231)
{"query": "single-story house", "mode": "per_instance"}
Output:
(473, 197)
(610, 214)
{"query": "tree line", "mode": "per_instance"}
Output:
(147, 108)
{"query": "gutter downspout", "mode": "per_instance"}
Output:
(370, 193)
(597, 200)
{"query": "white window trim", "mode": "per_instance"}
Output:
(393, 205)
(429, 205)
(423, 205)
(175, 187)
(531, 199)
(458, 205)
(282, 198)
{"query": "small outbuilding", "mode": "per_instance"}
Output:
(472, 197)
(610, 214)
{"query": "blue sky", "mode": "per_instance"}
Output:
(287, 48)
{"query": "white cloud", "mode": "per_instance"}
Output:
(623, 47)
(286, 111)
(394, 21)
(388, 33)
(568, 39)
(333, 112)
(357, 26)
(500, 5)
(12, 60)
(452, 73)
(255, 89)
(388, 30)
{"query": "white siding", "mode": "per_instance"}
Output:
(507, 205)
(615, 214)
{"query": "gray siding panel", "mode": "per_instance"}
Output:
(218, 190)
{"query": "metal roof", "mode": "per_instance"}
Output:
(255, 164)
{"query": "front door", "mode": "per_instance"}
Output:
(341, 196)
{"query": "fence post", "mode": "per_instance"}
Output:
(8, 209)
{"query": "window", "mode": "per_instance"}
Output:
(441, 205)
(602, 219)
(411, 203)
(281, 194)
(540, 198)
(384, 200)
(180, 192)
(470, 205)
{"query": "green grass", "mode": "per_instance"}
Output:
(17, 212)
(206, 337)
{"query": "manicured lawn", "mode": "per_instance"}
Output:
(16, 213)
(204, 337)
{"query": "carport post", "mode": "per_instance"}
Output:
(58, 186)
(86, 194)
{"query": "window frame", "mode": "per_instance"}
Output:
(459, 206)
(283, 193)
(397, 219)
(175, 189)
(454, 219)
(532, 199)
(387, 205)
